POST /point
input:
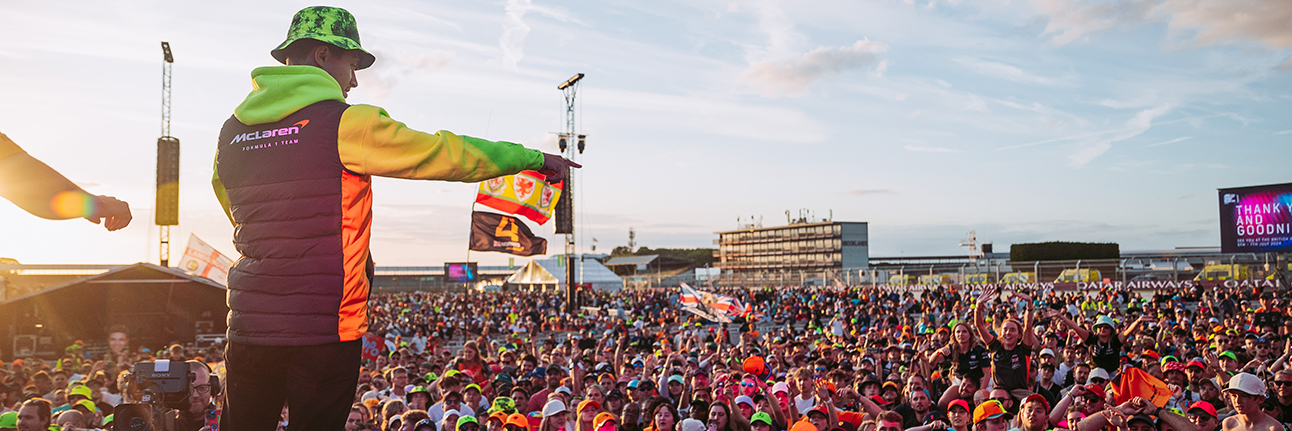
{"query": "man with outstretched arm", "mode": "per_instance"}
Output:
(293, 172)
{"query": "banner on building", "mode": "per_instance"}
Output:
(1256, 219)
(203, 260)
(525, 194)
(504, 234)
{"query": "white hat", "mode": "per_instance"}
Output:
(689, 424)
(780, 387)
(1047, 351)
(745, 399)
(1248, 384)
(553, 407)
(1097, 373)
(562, 390)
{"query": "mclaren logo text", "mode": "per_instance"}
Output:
(262, 134)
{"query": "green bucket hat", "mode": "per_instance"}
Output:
(325, 24)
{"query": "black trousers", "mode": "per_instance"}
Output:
(317, 383)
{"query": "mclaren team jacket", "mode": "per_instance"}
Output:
(293, 172)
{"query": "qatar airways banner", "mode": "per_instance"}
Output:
(1256, 219)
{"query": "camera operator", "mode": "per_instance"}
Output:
(194, 418)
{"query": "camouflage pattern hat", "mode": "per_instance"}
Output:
(325, 24)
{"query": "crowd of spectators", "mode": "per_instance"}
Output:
(867, 358)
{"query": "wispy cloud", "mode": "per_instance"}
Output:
(515, 29)
(1208, 22)
(870, 192)
(793, 76)
(1092, 148)
(1009, 72)
(1283, 132)
(1179, 139)
(920, 149)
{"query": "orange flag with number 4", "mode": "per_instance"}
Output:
(505, 234)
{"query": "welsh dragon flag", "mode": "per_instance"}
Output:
(525, 194)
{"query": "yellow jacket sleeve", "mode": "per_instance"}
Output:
(371, 143)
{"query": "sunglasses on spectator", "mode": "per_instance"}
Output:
(747, 384)
(468, 427)
(1002, 400)
(1092, 398)
(1282, 382)
(1098, 381)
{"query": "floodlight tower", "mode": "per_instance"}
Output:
(565, 206)
(167, 205)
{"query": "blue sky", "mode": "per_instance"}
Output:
(1025, 120)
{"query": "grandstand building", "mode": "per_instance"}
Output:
(820, 247)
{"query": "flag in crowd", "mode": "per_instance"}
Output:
(712, 306)
(203, 260)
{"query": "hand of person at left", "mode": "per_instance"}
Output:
(112, 212)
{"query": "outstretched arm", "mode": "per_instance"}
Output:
(40, 190)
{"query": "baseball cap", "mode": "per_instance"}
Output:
(676, 379)
(990, 409)
(1143, 417)
(585, 404)
(1196, 363)
(880, 401)
(1204, 406)
(562, 390)
(553, 407)
(803, 425)
(818, 409)
(466, 419)
(744, 399)
(1103, 319)
(1037, 397)
(80, 390)
(500, 416)
(1097, 391)
(780, 387)
(517, 419)
(1047, 351)
(761, 417)
(959, 403)
(633, 384)
(1097, 373)
(601, 419)
(690, 424)
(1227, 355)
(9, 420)
(1248, 384)
(87, 404)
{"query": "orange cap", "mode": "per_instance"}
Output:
(601, 419)
(803, 425)
(990, 409)
(517, 419)
(588, 403)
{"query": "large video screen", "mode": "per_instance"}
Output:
(1256, 219)
(460, 272)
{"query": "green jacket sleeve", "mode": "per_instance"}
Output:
(220, 193)
(371, 143)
